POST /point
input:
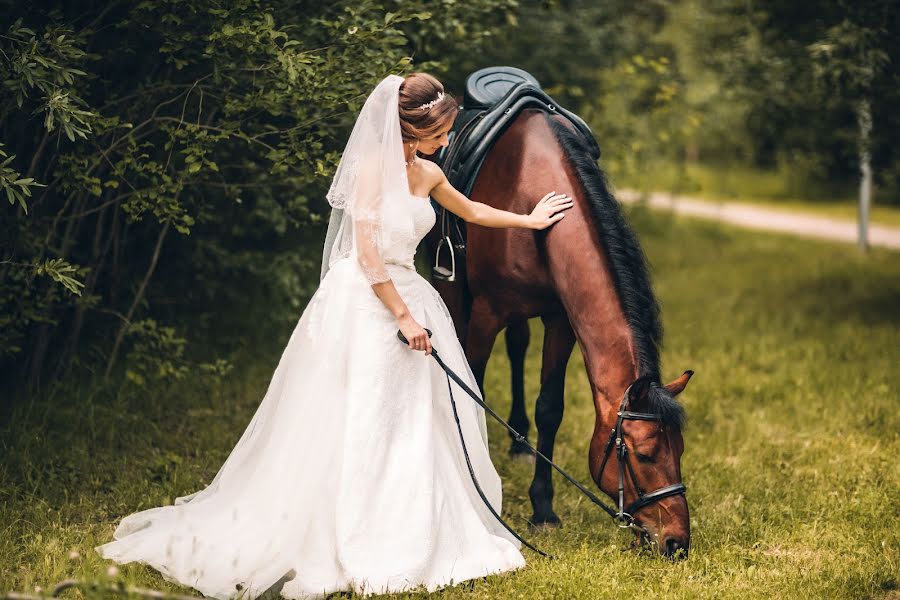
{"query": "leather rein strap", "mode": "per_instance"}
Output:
(625, 515)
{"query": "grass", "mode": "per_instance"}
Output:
(772, 189)
(791, 446)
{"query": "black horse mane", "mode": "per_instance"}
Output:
(658, 400)
(630, 274)
(623, 252)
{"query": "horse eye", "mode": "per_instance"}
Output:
(644, 458)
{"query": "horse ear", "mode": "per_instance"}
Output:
(679, 384)
(638, 390)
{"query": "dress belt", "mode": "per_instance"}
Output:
(407, 264)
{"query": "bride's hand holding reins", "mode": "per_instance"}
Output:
(549, 209)
(416, 337)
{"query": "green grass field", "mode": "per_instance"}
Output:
(791, 445)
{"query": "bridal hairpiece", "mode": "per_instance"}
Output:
(428, 105)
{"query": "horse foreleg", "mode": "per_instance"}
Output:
(559, 339)
(483, 327)
(517, 337)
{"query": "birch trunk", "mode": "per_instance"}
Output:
(864, 118)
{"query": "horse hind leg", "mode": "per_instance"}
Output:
(559, 339)
(517, 338)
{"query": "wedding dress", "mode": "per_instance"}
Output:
(350, 475)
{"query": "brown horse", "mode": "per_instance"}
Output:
(586, 278)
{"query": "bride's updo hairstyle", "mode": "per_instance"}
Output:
(416, 123)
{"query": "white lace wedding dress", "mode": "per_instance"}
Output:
(351, 472)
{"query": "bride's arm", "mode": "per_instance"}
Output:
(388, 294)
(415, 334)
(367, 217)
(367, 231)
(547, 211)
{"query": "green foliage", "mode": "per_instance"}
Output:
(771, 59)
(17, 188)
(218, 122)
(157, 357)
(850, 56)
(43, 65)
(651, 119)
(607, 62)
(61, 272)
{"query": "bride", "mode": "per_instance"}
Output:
(350, 475)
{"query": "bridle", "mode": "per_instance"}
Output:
(626, 514)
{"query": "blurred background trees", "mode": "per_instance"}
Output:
(166, 167)
(165, 162)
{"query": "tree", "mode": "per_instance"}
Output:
(156, 152)
(851, 56)
(784, 61)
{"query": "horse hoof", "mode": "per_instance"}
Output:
(522, 457)
(520, 452)
(545, 524)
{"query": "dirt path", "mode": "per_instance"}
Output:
(758, 217)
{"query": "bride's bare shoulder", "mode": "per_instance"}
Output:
(433, 174)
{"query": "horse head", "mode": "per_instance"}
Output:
(640, 466)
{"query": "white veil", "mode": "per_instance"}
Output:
(369, 180)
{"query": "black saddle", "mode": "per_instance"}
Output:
(493, 98)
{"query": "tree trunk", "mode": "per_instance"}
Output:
(41, 345)
(98, 261)
(137, 300)
(864, 118)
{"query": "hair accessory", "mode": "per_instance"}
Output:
(428, 105)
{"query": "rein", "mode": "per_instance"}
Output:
(624, 515)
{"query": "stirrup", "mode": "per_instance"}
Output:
(442, 273)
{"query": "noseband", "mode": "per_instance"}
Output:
(626, 514)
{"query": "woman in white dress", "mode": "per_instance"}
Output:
(350, 475)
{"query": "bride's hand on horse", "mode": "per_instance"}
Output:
(416, 334)
(549, 209)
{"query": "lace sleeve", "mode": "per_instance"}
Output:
(368, 250)
(368, 221)
(368, 187)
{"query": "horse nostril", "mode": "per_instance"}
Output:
(672, 545)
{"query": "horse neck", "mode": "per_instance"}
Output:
(585, 286)
(581, 273)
